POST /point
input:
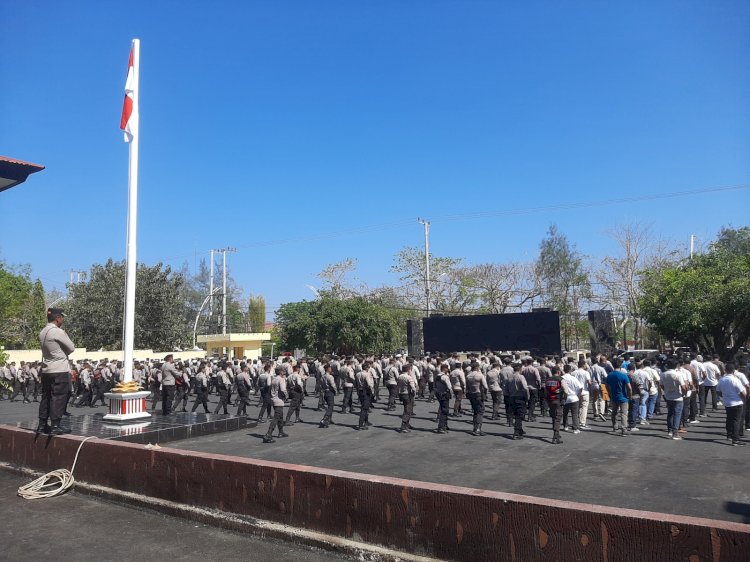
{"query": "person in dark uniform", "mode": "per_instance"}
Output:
(443, 395)
(328, 390)
(476, 385)
(554, 394)
(407, 388)
(366, 389)
(518, 397)
(264, 384)
(201, 389)
(56, 346)
(296, 392)
(244, 384)
(225, 382)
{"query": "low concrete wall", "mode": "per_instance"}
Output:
(435, 520)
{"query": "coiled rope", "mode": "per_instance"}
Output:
(53, 483)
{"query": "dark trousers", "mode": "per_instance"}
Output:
(704, 396)
(571, 409)
(266, 406)
(329, 399)
(201, 397)
(294, 406)
(54, 396)
(443, 409)
(747, 412)
(497, 396)
(457, 404)
(477, 408)
(518, 408)
(347, 399)
(167, 397)
(734, 418)
(408, 404)
(392, 393)
(365, 398)
(180, 395)
(556, 413)
(223, 401)
(277, 420)
(98, 393)
(242, 401)
(533, 398)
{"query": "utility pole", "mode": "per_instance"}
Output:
(224, 284)
(78, 275)
(692, 245)
(211, 289)
(426, 225)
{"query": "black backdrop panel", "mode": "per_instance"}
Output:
(538, 332)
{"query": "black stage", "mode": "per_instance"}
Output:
(156, 429)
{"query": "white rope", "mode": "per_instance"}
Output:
(53, 483)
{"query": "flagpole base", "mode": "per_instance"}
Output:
(127, 406)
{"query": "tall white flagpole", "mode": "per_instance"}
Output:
(131, 259)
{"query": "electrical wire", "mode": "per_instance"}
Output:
(53, 483)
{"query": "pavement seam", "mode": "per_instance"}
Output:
(242, 524)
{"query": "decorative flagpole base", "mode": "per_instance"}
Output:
(126, 406)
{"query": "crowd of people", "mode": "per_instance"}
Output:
(628, 391)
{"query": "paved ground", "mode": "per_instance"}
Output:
(72, 527)
(700, 476)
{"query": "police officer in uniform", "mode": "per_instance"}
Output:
(407, 388)
(328, 391)
(167, 376)
(296, 391)
(476, 385)
(277, 393)
(56, 346)
(554, 390)
(201, 389)
(366, 389)
(264, 384)
(244, 384)
(443, 394)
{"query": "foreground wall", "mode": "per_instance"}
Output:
(429, 519)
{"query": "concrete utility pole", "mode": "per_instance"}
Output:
(78, 275)
(211, 288)
(224, 285)
(692, 245)
(426, 225)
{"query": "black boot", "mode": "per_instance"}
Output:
(43, 426)
(56, 429)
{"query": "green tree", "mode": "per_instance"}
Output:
(95, 308)
(22, 308)
(343, 326)
(563, 280)
(256, 313)
(704, 302)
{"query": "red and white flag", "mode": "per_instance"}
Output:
(129, 120)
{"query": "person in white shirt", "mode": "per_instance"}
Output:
(653, 391)
(709, 374)
(583, 376)
(733, 393)
(572, 389)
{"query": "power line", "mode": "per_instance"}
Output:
(484, 215)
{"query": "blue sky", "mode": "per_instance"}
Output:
(268, 121)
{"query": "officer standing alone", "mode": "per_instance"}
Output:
(56, 346)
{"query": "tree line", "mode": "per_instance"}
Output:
(657, 295)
